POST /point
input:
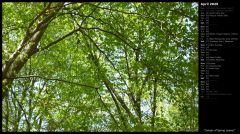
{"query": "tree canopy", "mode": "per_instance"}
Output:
(69, 66)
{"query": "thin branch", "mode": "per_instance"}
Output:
(109, 32)
(58, 40)
(54, 79)
(129, 13)
(117, 105)
(100, 97)
(20, 105)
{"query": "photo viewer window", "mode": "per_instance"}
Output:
(120, 66)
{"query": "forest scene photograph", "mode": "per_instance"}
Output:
(99, 66)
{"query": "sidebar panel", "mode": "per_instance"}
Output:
(219, 66)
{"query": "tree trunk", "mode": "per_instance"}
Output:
(26, 49)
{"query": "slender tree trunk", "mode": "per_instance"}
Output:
(154, 104)
(7, 114)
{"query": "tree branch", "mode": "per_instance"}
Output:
(100, 97)
(58, 40)
(129, 93)
(54, 79)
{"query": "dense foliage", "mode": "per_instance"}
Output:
(99, 66)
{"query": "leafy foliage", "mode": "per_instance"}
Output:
(100, 66)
